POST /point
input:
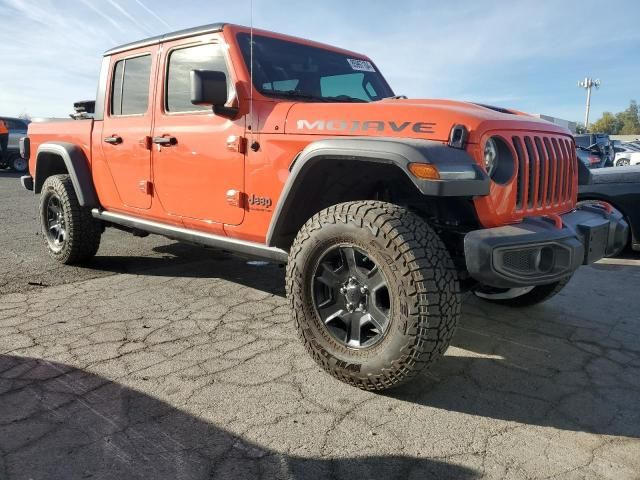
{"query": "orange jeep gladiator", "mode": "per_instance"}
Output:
(382, 207)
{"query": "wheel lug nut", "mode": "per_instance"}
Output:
(343, 290)
(364, 289)
(350, 307)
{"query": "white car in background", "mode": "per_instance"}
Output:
(626, 154)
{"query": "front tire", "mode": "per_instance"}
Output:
(373, 293)
(71, 235)
(521, 297)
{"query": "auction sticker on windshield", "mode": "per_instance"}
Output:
(361, 65)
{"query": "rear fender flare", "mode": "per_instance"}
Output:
(76, 164)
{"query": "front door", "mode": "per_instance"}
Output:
(126, 128)
(196, 163)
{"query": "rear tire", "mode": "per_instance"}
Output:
(530, 297)
(70, 233)
(373, 293)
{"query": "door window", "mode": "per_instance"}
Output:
(130, 86)
(181, 62)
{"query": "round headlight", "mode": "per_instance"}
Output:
(490, 156)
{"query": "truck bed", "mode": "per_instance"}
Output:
(77, 132)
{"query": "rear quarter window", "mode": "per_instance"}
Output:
(130, 86)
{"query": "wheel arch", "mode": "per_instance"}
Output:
(634, 229)
(55, 158)
(349, 169)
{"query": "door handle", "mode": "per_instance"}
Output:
(113, 139)
(165, 141)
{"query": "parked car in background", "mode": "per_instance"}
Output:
(597, 142)
(590, 158)
(615, 189)
(17, 129)
(626, 154)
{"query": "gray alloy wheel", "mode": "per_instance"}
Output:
(54, 221)
(351, 296)
(373, 293)
(69, 232)
(18, 164)
(623, 162)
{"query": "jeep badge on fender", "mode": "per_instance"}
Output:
(254, 200)
(384, 203)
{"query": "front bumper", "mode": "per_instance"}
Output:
(538, 251)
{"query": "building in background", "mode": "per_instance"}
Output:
(572, 126)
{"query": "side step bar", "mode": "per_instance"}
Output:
(241, 247)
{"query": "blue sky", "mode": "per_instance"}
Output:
(527, 55)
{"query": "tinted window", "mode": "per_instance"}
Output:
(13, 124)
(293, 70)
(351, 84)
(181, 62)
(130, 92)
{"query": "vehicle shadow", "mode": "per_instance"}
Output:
(540, 366)
(10, 174)
(58, 422)
(183, 260)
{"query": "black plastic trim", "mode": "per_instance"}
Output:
(76, 164)
(27, 182)
(460, 174)
(588, 234)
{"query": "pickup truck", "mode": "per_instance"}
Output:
(383, 208)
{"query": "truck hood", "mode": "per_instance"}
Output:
(409, 118)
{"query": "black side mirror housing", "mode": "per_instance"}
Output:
(209, 87)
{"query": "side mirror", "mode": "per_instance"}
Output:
(208, 88)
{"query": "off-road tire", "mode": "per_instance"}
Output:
(422, 283)
(539, 294)
(83, 232)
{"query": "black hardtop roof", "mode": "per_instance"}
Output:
(187, 32)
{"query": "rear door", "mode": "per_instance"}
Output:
(126, 129)
(197, 173)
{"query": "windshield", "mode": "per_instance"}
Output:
(292, 70)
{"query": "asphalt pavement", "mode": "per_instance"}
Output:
(159, 360)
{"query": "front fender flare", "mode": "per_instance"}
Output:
(460, 175)
(77, 165)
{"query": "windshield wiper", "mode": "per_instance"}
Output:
(292, 94)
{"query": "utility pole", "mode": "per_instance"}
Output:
(588, 83)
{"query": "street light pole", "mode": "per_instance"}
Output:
(588, 83)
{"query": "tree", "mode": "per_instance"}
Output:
(622, 123)
(630, 120)
(608, 123)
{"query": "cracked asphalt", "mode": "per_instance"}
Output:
(165, 361)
